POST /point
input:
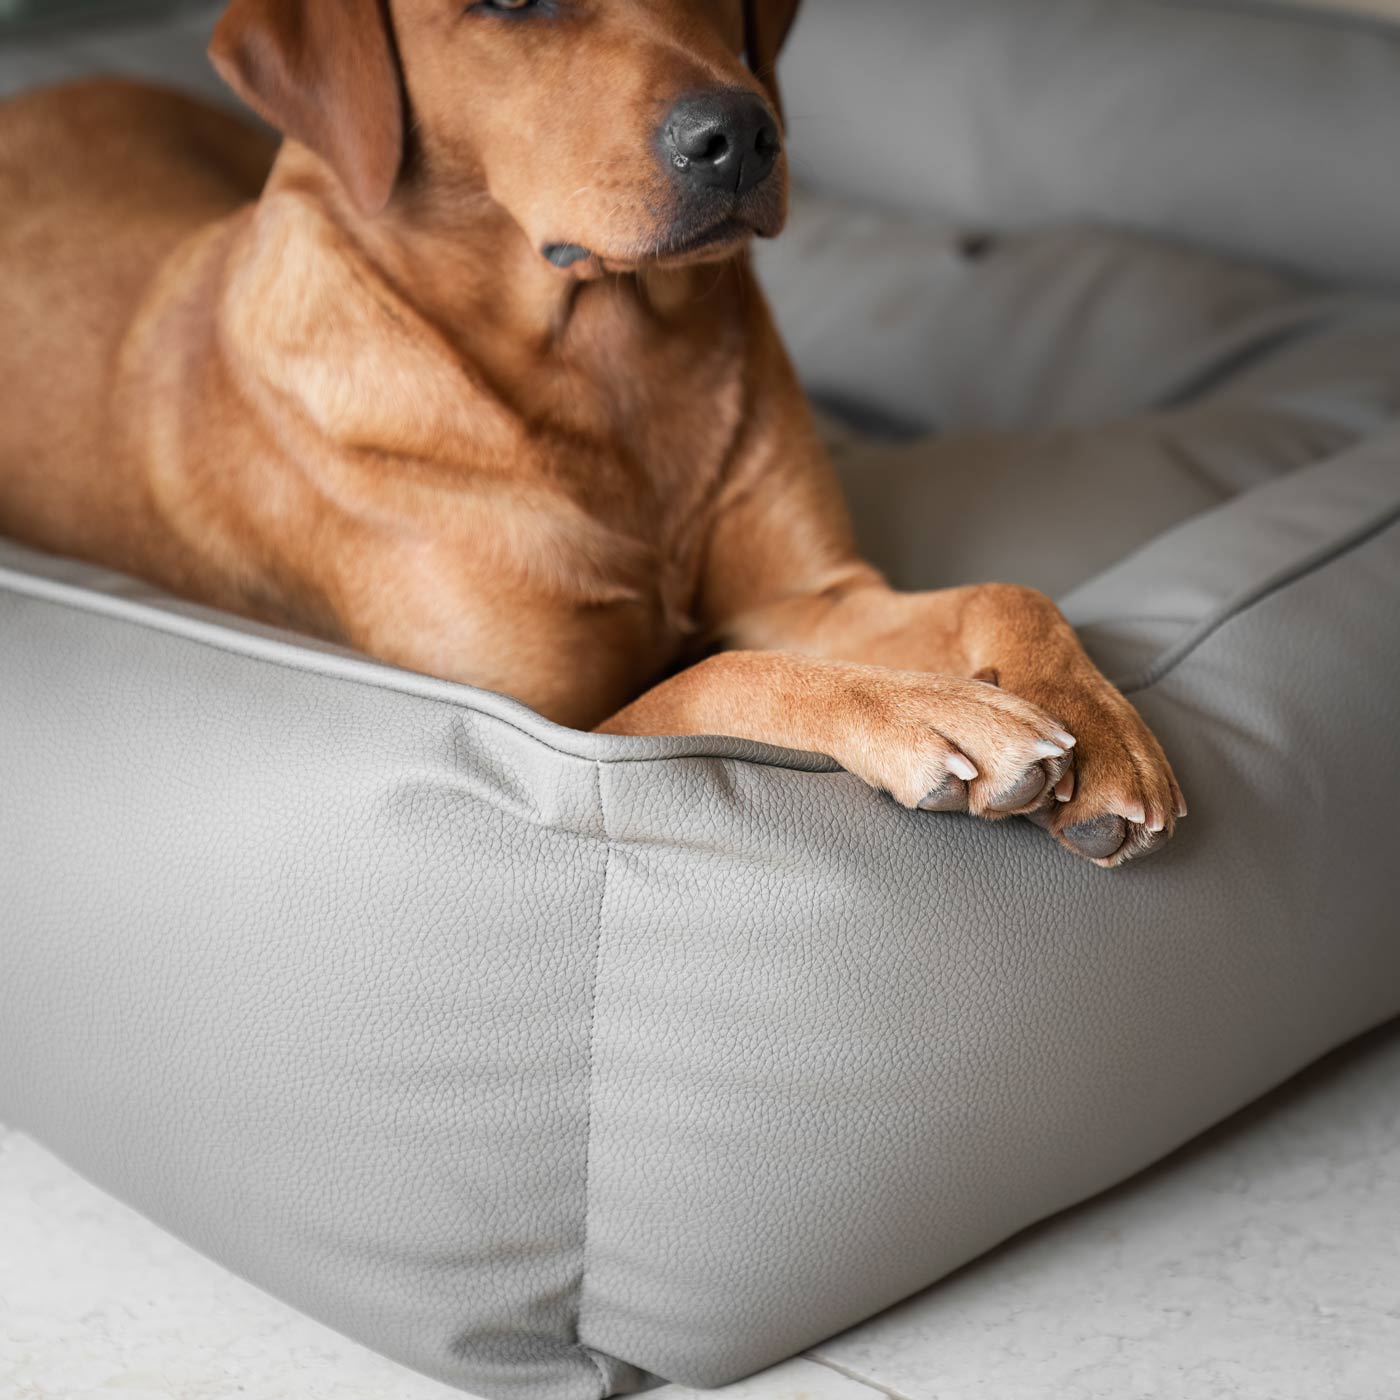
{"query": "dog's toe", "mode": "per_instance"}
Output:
(1098, 839)
(949, 796)
(1120, 801)
(1026, 793)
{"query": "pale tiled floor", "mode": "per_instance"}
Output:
(1263, 1263)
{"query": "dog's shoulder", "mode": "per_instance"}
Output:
(308, 315)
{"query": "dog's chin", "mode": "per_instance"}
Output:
(707, 236)
(717, 243)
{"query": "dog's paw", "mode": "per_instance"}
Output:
(1121, 800)
(940, 744)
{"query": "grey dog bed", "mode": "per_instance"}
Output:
(554, 1064)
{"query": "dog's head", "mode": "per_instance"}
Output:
(614, 132)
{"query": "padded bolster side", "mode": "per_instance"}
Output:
(840, 1050)
(302, 968)
(1148, 613)
(1260, 131)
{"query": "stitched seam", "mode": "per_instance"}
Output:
(151, 619)
(1159, 669)
(588, 1081)
(1163, 665)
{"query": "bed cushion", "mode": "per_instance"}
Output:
(553, 1064)
(1063, 396)
(1251, 128)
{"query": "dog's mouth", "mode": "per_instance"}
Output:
(691, 242)
(724, 234)
(719, 238)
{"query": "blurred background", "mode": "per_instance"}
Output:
(16, 14)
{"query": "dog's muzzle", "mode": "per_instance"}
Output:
(721, 148)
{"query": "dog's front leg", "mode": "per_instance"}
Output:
(978, 699)
(1120, 798)
(938, 742)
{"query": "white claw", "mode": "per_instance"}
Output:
(1048, 750)
(959, 767)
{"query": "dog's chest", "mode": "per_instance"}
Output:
(650, 413)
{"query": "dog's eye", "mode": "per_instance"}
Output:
(509, 6)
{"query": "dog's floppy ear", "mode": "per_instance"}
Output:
(325, 73)
(766, 26)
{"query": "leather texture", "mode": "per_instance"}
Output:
(554, 1064)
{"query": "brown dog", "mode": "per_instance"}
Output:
(483, 385)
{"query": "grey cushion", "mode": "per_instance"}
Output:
(551, 1064)
(1256, 129)
(1052, 403)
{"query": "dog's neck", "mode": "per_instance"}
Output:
(462, 261)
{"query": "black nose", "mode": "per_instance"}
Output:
(726, 140)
